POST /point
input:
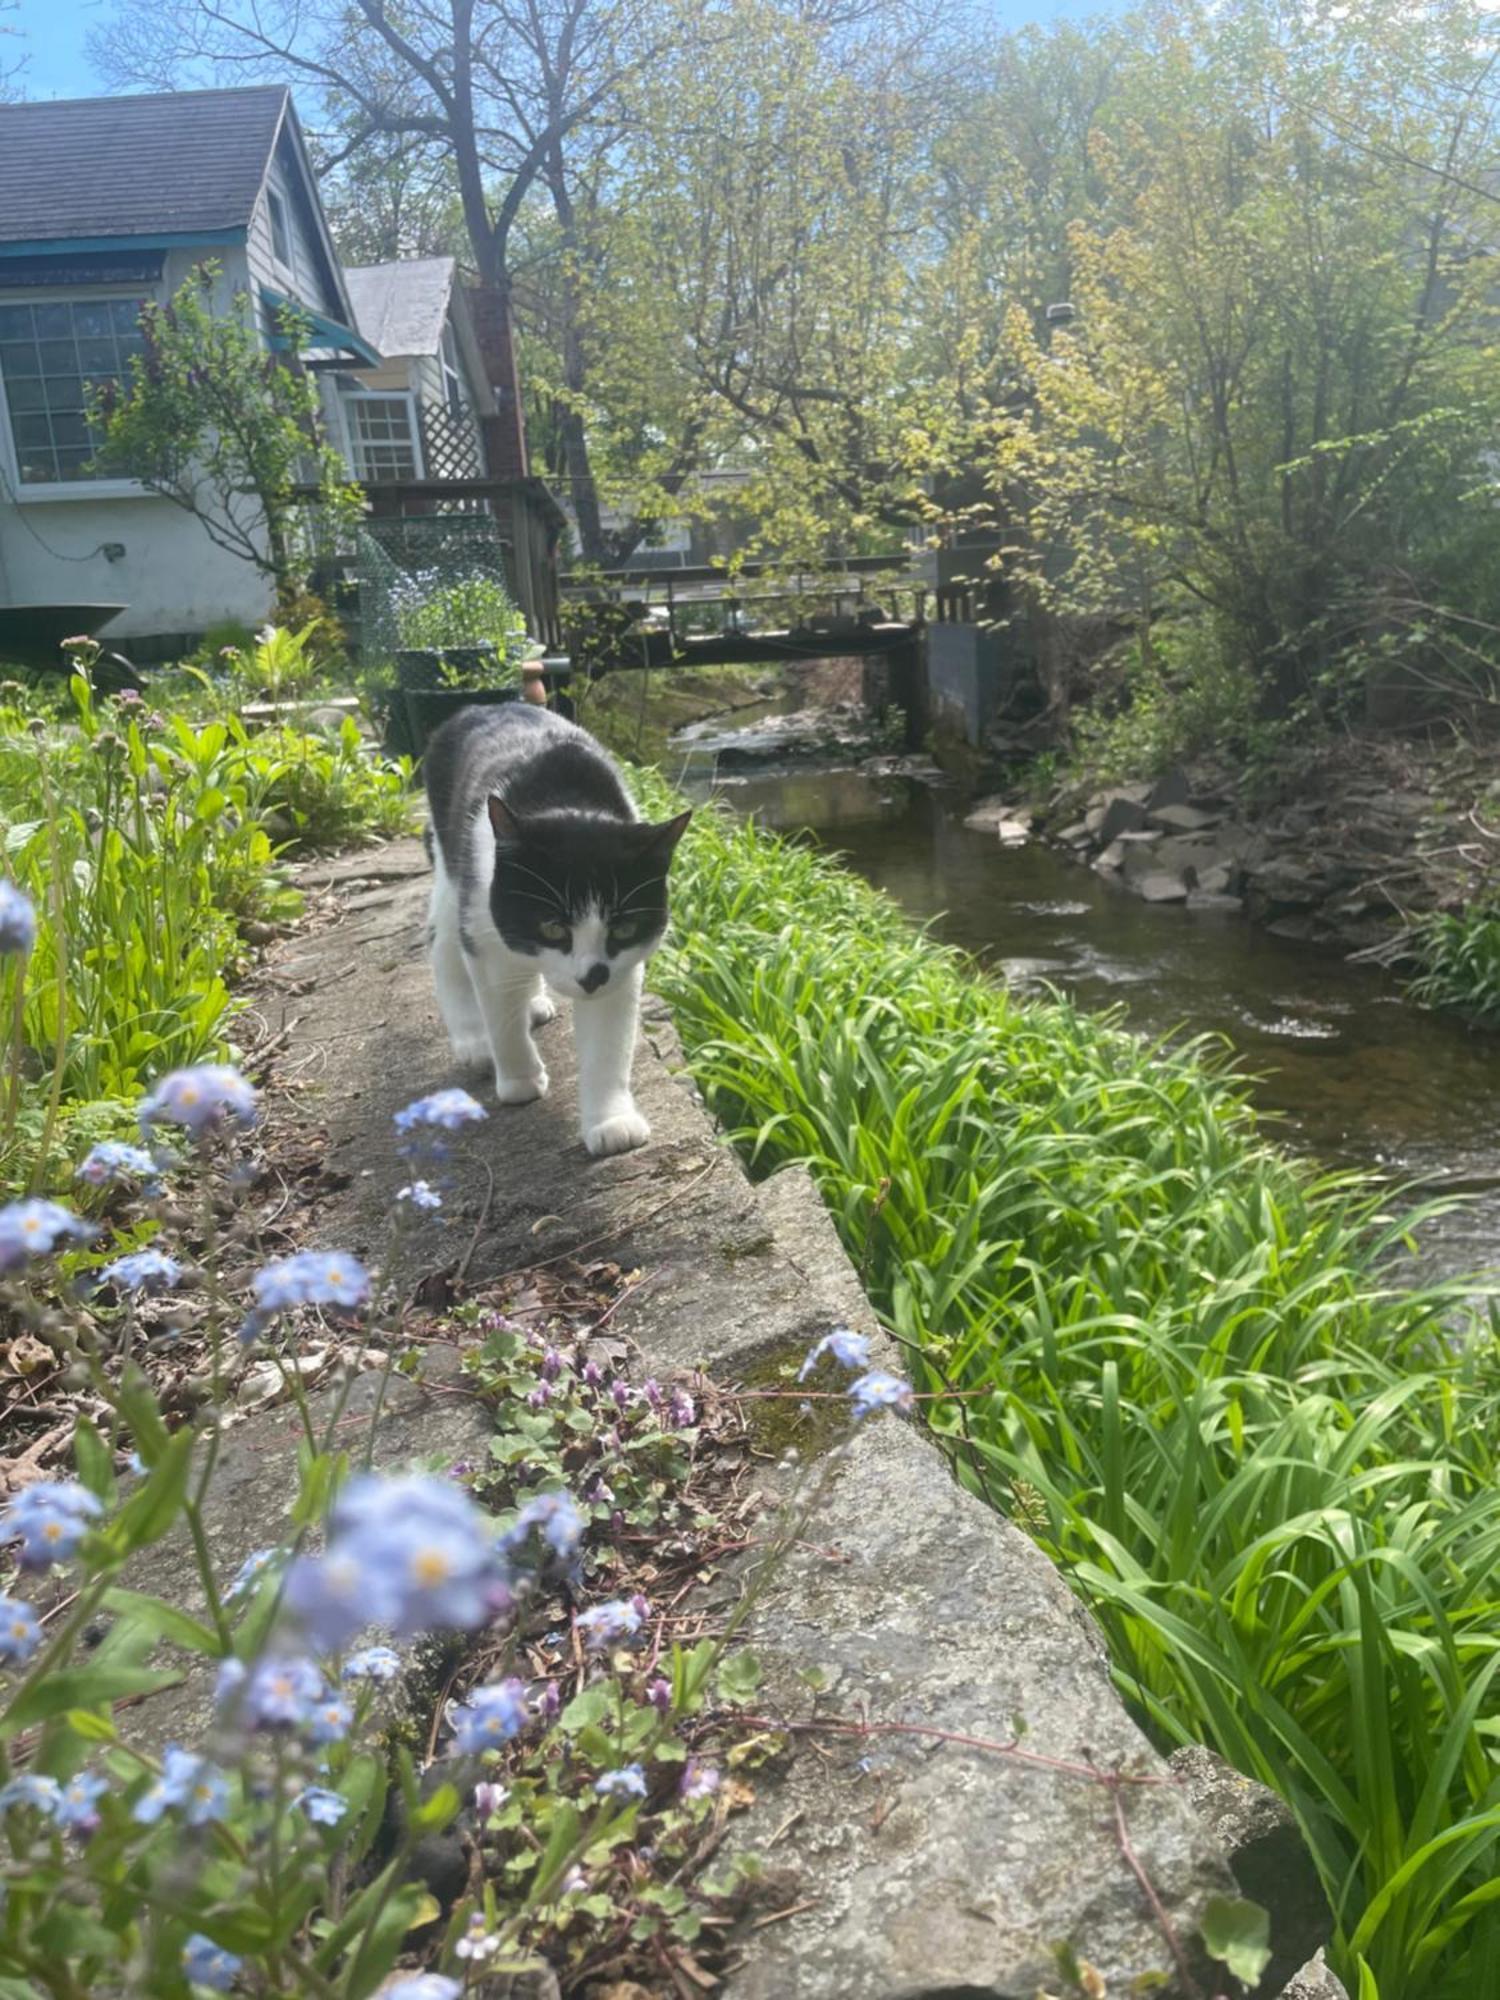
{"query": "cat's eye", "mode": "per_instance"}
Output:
(628, 930)
(552, 930)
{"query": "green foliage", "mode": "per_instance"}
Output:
(144, 843)
(226, 430)
(1158, 704)
(1459, 957)
(1187, 1370)
(435, 612)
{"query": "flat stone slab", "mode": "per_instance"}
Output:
(922, 1866)
(1156, 886)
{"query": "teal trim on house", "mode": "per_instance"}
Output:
(63, 246)
(325, 331)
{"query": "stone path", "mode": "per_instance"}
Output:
(919, 1866)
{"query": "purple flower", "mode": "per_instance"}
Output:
(143, 1271)
(681, 1412)
(210, 1095)
(208, 1964)
(425, 1986)
(626, 1783)
(273, 1694)
(330, 1721)
(33, 1228)
(607, 1623)
(112, 1160)
(186, 1780)
(49, 1520)
(38, 1793)
(552, 1363)
(17, 919)
(491, 1716)
(592, 1374)
(540, 1396)
(488, 1798)
(880, 1391)
(249, 1573)
(311, 1278)
(447, 1109)
(652, 1391)
(420, 1194)
(659, 1694)
(77, 1804)
(20, 1630)
(414, 1554)
(699, 1781)
(849, 1350)
(375, 1663)
(553, 1516)
(550, 1705)
(323, 1808)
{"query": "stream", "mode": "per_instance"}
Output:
(1343, 1069)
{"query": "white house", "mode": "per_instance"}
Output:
(108, 202)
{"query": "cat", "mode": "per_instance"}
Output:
(543, 878)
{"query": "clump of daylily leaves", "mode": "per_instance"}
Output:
(261, 1858)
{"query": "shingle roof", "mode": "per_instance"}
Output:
(400, 308)
(168, 164)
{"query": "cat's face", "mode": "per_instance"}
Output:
(584, 896)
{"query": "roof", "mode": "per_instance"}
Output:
(402, 308)
(178, 163)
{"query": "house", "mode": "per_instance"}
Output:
(108, 202)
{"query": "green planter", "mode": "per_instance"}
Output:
(416, 712)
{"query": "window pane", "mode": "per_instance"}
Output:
(52, 354)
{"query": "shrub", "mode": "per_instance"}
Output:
(1459, 960)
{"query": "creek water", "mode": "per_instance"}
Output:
(1342, 1067)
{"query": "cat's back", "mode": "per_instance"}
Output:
(528, 756)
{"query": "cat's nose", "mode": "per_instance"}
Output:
(595, 977)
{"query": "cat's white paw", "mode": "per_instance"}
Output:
(471, 1051)
(543, 1009)
(521, 1089)
(620, 1134)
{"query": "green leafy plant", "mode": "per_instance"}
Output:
(439, 614)
(1459, 959)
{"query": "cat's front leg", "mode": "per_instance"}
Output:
(505, 984)
(604, 1031)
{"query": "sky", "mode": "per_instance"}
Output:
(55, 31)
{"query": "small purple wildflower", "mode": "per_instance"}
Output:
(413, 1553)
(850, 1350)
(20, 1631)
(375, 1663)
(880, 1391)
(311, 1278)
(681, 1411)
(202, 1098)
(323, 1808)
(273, 1694)
(490, 1717)
(249, 1573)
(112, 1160)
(420, 1194)
(186, 1780)
(446, 1109)
(478, 1942)
(550, 1705)
(592, 1375)
(330, 1721)
(208, 1964)
(659, 1694)
(17, 919)
(552, 1363)
(37, 1793)
(607, 1623)
(49, 1520)
(699, 1781)
(35, 1228)
(620, 1391)
(627, 1783)
(143, 1271)
(651, 1389)
(488, 1798)
(77, 1808)
(553, 1516)
(540, 1396)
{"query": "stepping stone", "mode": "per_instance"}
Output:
(1159, 887)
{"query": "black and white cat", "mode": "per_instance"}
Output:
(543, 877)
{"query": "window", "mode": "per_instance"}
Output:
(52, 353)
(384, 437)
(453, 381)
(281, 238)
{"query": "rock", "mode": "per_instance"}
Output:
(1202, 899)
(1267, 1856)
(1110, 858)
(1171, 789)
(1160, 887)
(1075, 835)
(1121, 815)
(986, 815)
(1221, 879)
(1314, 1981)
(1288, 884)
(1093, 819)
(1183, 819)
(1013, 833)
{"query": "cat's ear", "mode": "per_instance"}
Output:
(506, 826)
(663, 839)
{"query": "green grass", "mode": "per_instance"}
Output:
(1195, 1375)
(1459, 957)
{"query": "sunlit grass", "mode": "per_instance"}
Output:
(1194, 1372)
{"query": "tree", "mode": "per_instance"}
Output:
(227, 431)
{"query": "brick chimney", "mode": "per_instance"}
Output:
(504, 433)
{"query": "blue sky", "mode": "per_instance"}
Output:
(55, 32)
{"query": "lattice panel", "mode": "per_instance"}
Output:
(450, 443)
